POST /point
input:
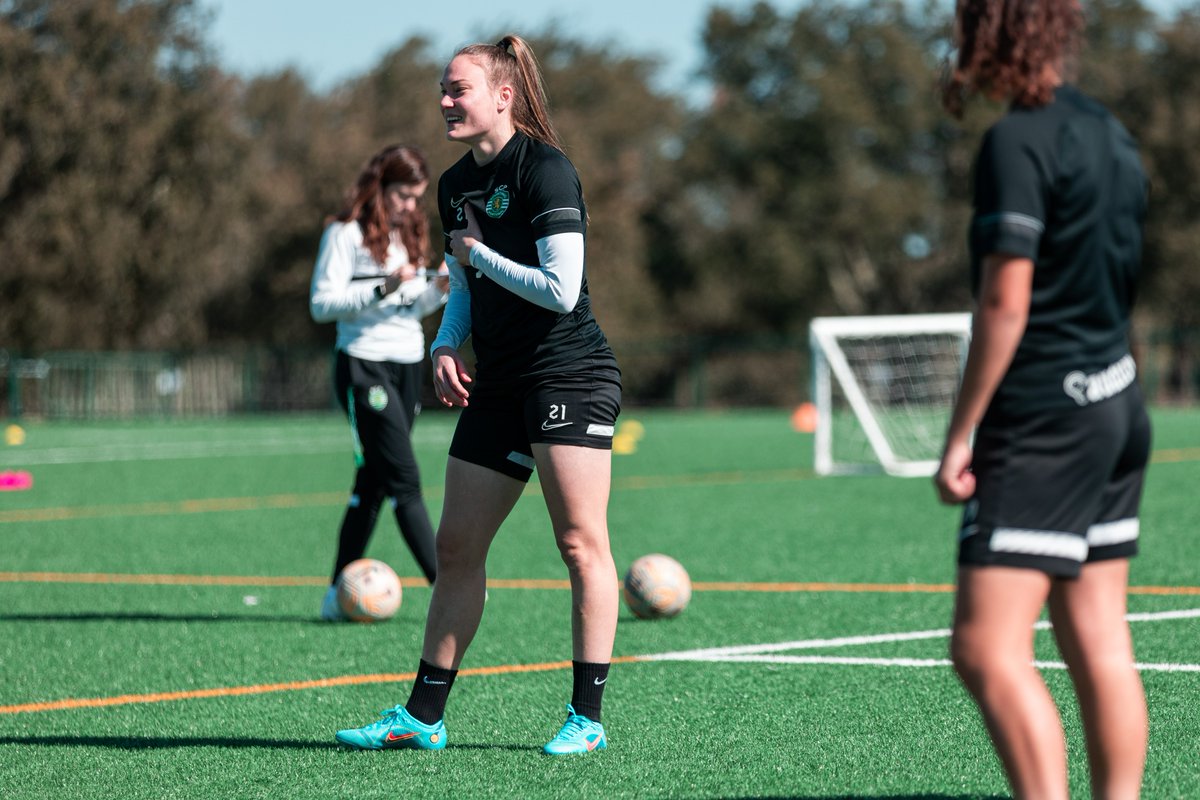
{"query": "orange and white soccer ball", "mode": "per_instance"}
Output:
(657, 586)
(368, 591)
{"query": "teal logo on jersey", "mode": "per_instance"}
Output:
(497, 204)
(377, 398)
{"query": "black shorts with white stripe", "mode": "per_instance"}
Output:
(1056, 490)
(504, 419)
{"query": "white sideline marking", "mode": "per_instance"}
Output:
(768, 653)
(272, 445)
(1155, 616)
(907, 662)
(150, 451)
(804, 644)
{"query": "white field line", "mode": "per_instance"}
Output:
(173, 450)
(905, 662)
(769, 653)
(713, 653)
(159, 451)
(1155, 616)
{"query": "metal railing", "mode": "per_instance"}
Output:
(683, 372)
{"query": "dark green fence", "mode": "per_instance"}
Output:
(686, 372)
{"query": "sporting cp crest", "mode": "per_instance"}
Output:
(377, 398)
(497, 204)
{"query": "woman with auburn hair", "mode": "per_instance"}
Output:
(1053, 481)
(370, 278)
(545, 395)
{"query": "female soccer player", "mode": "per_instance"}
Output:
(370, 279)
(546, 391)
(1053, 484)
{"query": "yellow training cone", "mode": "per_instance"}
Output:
(624, 445)
(631, 428)
(14, 435)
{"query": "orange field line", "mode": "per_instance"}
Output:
(1175, 456)
(511, 583)
(175, 580)
(1165, 590)
(227, 504)
(174, 507)
(277, 501)
(266, 688)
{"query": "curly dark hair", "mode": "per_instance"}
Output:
(1015, 49)
(364, 203)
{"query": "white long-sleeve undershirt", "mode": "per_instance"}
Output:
(554, 284)
(455, 328)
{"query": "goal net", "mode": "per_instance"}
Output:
(884, 388)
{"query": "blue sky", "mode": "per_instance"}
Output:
(328, 46)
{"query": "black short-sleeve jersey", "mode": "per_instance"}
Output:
(1062, 185)
(527, 192)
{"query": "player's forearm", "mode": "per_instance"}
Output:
(996, 333)
(456, 320)
(554, 284)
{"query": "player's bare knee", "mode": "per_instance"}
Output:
(972, 659)
(580, 548)
(456, 553)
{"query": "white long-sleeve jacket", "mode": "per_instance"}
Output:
(343, 291)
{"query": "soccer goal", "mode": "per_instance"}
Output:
(884, 388)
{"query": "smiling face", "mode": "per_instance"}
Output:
(474, 111)
(402, 199)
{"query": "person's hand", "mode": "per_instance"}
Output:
(954, 480)
(442, 280)
(392, 281)
(450, 377)
(463, 239)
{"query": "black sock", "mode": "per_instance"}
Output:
(417, 531)
(357, 525)
(587, 690)
(429, 693)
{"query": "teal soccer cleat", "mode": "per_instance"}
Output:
(395, 729)
(330, 610)
(578, 735)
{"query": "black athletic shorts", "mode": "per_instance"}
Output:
(1058, 489)
(504, 419)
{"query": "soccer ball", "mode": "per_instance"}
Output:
(657, 586)
(368, 590)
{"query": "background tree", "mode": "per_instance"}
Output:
(308, 150)
(814, 182)
(149, 201)
(1164, 114)
(118, 167)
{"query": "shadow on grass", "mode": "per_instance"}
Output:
(145, 616)
(874, 797)
(516, 748)
(168, 743)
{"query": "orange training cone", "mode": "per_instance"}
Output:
(804, 418)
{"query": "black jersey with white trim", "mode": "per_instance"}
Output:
(1062, 185)
(527, 192)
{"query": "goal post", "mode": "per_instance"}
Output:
(884, 387)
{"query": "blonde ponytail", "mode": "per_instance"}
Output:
(511, 61)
